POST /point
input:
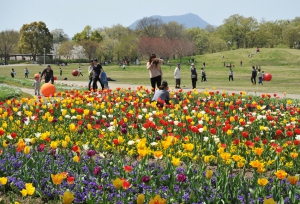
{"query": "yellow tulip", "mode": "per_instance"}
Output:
(158, 200)
(53, 145)
(175, 161)
(27, 150)
(188, 146)
(225, 156)
(3, 180)
(140, 199)
(76, 158)
(29, 188)
(209, 174)
(117, 183)
(269, 201)
(23, 192)
(64, 144)
(262, 181)
(68, 197)
(57, 178)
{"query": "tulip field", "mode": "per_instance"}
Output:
(117, 146)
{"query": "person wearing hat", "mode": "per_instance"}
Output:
(162, 95)
(194, 75)
(177, 76)
(48, 74)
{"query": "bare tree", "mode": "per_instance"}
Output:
(173, 30)
(66, 49)
(184, 48)
(8, 43)
(55, 50)
(90, 47)
(150, 27)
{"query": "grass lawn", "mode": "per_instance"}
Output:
(281, 63)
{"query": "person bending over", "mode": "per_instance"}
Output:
(162, 95)
(48, 74)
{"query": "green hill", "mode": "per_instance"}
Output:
(283, 64)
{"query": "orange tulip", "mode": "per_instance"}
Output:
(293, 179)
(280, 174)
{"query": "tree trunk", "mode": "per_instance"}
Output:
(6, 58)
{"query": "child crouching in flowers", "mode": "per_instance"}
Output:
(162, 95)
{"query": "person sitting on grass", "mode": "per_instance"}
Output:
(162, 95)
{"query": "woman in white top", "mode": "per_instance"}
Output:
(177, 76)
(155, 72)
(91, 73)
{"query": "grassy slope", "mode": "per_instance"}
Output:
(281, 63)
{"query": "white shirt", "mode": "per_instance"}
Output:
(177, 73)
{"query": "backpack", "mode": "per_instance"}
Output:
(103, 78)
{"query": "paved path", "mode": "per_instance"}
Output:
(114, 85)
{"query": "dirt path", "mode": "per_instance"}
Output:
(114, 85)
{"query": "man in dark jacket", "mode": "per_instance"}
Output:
(48, 74)
(97, 70)
(253, 76)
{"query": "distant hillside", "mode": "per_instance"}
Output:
(189, 20)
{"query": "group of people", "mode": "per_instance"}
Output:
(257, 72)
(96, 73)
(155, 72)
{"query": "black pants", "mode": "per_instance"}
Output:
(194, 81)
(80, 74)
(177, 82)
(49, 79)
(231, 77)
(155, 81)
(90, 83)
(95, 80)
(203, 78)
(253, 80)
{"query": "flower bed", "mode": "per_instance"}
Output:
(7, 92)
(116, 146)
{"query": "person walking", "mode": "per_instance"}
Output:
(253, 76)
(155, 72)
(90, 74)
(79, 71)
(230, 74)
(241, 63)
(124, 65)
(203, 65)
(47, 73)
(177, 76)
(260, 76)
(12, 73)
(203, 75)
(60, 71)
(194, 75)
(26, 72)
(97, 68)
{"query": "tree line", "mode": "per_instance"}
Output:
(167, 40)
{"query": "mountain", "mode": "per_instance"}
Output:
(188, 20)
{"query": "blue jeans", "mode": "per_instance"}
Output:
(95, 80)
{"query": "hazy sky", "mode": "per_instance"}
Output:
(73, 15)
